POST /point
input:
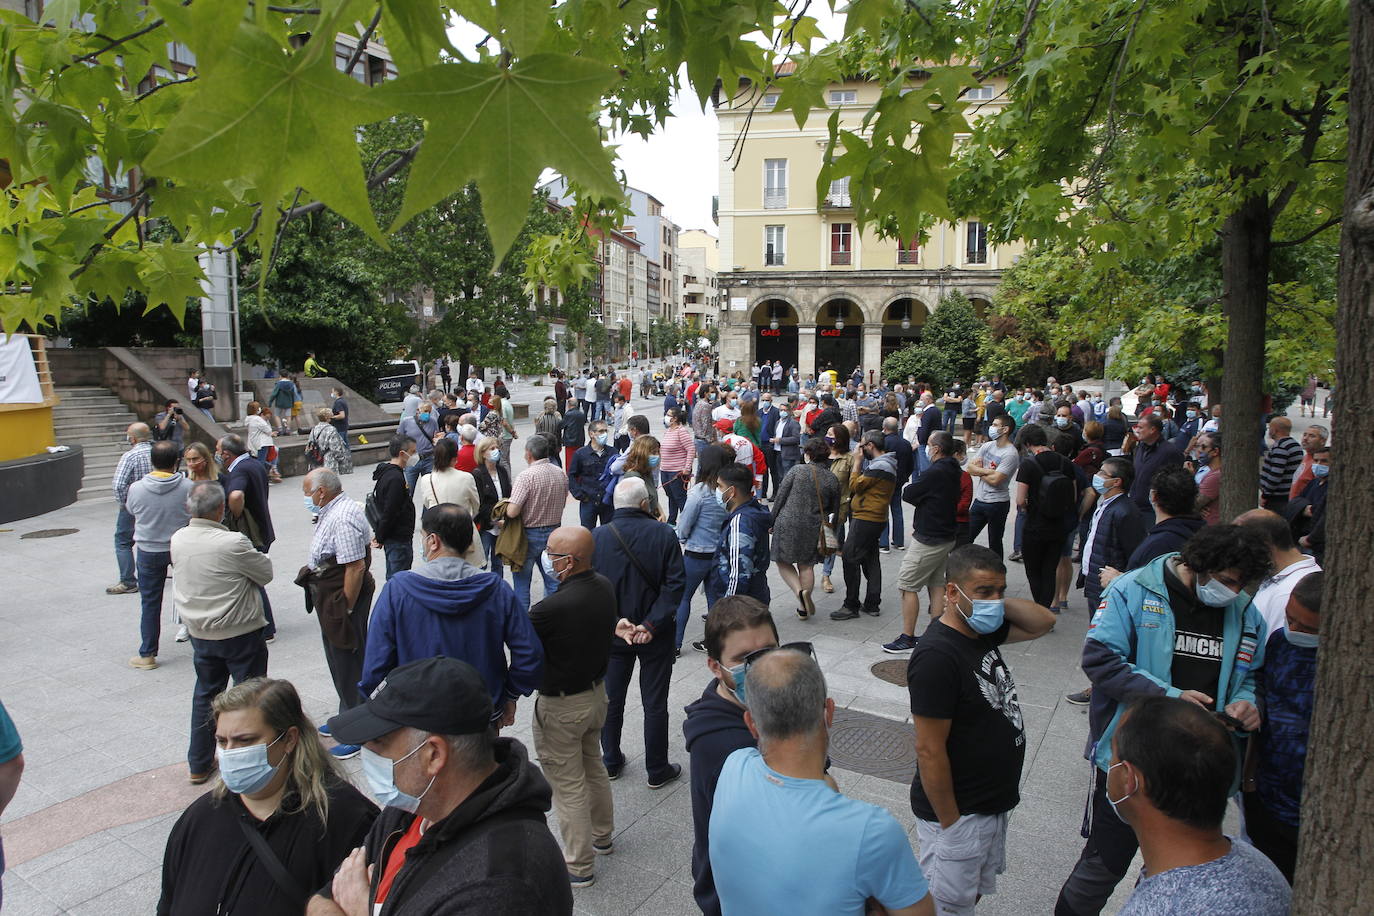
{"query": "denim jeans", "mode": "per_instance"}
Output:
(215, 661)
(655, 672)
(400, 555)
(695, 567)
(676, 491)
(489, 545)
(592, 514)
(603, 410)
(896, 524)
(152, 578)
(1020, 527)
(538, 539)
(421, 467)
(948, 420)
(922, 462)
(124, 547)
(262, 456)
(994, 516)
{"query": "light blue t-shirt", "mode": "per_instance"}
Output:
(1241, 883)
(767, 830)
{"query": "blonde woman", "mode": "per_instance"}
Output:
(200, 463)
(642, 461)
(260, 443)
(447, 484)
(337, 455)
(276, 781)
(493, 485)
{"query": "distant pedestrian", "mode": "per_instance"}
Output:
(170, 424)
(537, 499)
(158, 505)
(393, 519)
(334, 453)
(133, 465)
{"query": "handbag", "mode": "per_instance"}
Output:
(829, 541)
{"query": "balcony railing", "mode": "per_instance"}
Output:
(774, 199)
(839, 257)
(912, 256)
(837, 200)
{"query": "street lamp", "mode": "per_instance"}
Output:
(906, 319)
(839, 324)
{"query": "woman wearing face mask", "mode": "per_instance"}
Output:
(200, 464)
(809, 494)
(447, 484)
(842, 466)
(698, 530)
(675, 468)
(493, 485)
(642, 461)
(337, 455)
(280, 796)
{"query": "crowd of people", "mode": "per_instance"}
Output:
(1203, 642)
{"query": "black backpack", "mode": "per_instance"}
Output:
(1057, 495)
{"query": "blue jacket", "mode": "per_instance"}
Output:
(1119, 532)
(1129, 651)
(741, 563)
(651, 603)
(896, 444)
(768, 422)
(427, 611)
(584, 473)
(700, 521)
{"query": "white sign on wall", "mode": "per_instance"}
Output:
(739, 303)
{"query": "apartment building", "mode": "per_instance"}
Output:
(799, 282)
(699, 260)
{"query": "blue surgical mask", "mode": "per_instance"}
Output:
(1100, 485)
(381, 779)
(720, 498)
(1061, 422)
(1300, 640)
(601, 438)
(654, 460)
(311, 507)
(1321, 470)
(737, 675)
(987, 614)
(1214, 594)
(424, 418)
(547, 565)
(995, 432)
(1115, 802)
(245, 770)
(1192, 415)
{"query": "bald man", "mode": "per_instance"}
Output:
(575, 625)
(134, 465)
(1281, 464)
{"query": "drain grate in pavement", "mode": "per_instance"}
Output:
(893, 671)
(49, 533)
(872, 745)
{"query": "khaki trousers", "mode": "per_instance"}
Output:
(567, 733)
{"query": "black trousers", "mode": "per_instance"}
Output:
(860, 557)
(346, 665)
(1271, 836)
(215, 661)
(1040, 552)
(655, 659)
(774, 473)
(1105, 859)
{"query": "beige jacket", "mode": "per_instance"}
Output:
(217, 574)
(460, 488)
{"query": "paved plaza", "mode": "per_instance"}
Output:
(105, 744)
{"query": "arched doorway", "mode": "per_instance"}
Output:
(839, 337)
(903, 321)
(981, 307)
(774, 323)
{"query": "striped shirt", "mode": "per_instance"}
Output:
(676, 450)
(1276, 475)
(540, 491)
(341, 532)
(133, 465)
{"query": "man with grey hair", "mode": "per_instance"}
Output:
(537, 498)
(648, 578)
(218, 588)
(774, 806)
(133, 465)
(338, 584)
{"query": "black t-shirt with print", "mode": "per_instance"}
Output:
(1198, 643)
(951, 676)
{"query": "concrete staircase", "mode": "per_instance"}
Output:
(94, 419)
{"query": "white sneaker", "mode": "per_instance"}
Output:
(182, 633)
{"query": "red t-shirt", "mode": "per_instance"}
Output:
(1210, 487)
(626, 387)
(398, 858)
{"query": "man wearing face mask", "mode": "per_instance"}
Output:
(970, 736)
(1287, 682)
(584, 477)
(1182, 625)
(870, 496)
(575, 625)
(338, 584)
(423, 428)
(1065, 425)
(728, 410)
(391, 509)
(1172, 765)
(447, 606)
(218, 582)
(740, 564)
(463, 826)
(1290, 566)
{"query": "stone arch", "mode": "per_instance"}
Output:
(764, 309)
(857, 313)
(765, 296)
(889, 316)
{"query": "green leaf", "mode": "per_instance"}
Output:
(202, 27)
(282, 121)
(415, 34)
(501, 128)
(171, 275)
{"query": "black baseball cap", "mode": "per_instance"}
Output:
(443, 696)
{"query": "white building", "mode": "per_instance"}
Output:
(699, 259)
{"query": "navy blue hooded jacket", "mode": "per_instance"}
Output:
(1167, 536)
(714, 730)
(450, 607)
(651, 603)
(740, 566)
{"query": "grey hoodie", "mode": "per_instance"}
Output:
(447, 569)
(158, 505)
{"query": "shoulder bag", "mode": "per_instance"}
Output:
(829, 540)
(289, 885)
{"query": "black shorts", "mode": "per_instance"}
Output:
(968, 423)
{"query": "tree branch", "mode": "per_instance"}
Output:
(363, 39)
(1032, 10)
(1287, 243)
(141, 96)
(116, 42)
(110, 233)
(1312, 132)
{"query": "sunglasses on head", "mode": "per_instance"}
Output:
(760, 653)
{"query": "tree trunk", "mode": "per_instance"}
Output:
(1245, 247)
(1333, 873)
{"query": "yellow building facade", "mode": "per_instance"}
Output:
(799, 282)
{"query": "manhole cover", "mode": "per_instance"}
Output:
(50, 533)
(873, 745)
(893, 671)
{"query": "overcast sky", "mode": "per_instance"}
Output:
(679, 163)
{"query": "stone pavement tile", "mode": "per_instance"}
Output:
(673, 898)
(76, 882)
(27, 800)
(897, 710)
(79, 849)
(621, 887)
(137, 894)
(23, 899)
(655, 845)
